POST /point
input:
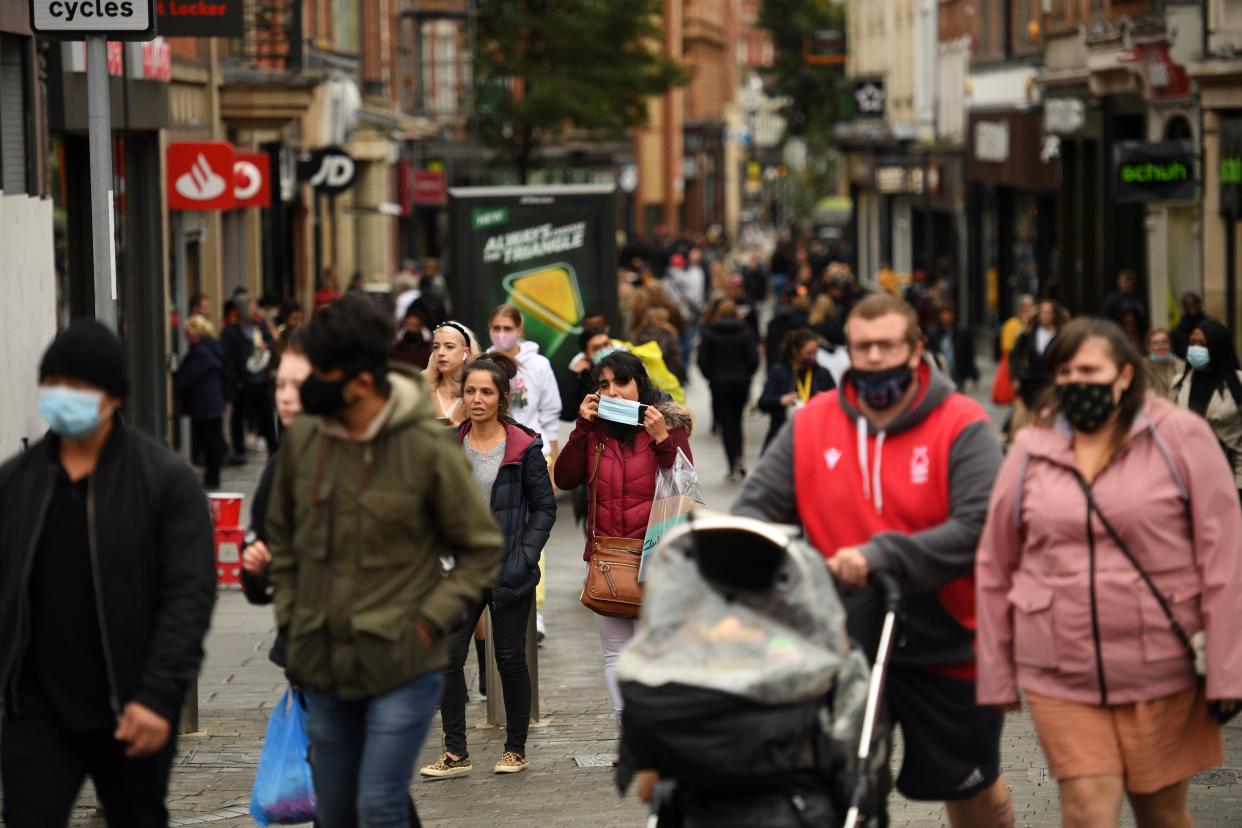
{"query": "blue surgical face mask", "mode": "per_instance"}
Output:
(601, 353)
(1198, 357)
(627, 412)
(70, 412)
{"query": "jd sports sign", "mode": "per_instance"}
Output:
(76, 19)
(1144, 172)
(328, 170)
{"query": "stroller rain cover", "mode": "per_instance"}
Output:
(728, 679)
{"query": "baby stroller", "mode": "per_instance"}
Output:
(742, 690)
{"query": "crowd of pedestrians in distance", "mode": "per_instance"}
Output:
(1080, 560)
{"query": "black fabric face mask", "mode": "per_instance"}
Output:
(324, 398)
(881, 390)
(1086, 405)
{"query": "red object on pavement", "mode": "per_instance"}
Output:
(199, 175)
(228, 555)
(226, 509)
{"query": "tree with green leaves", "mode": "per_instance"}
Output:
(546, 67)
(813, 94)
(812, 91)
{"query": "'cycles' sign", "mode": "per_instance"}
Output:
(1144, 172)
(75, 19)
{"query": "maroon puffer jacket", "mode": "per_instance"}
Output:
(627, 476)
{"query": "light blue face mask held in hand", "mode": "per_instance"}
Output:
(627, 412)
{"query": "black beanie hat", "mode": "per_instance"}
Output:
(88, 351)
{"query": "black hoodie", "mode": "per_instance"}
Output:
(728, 352)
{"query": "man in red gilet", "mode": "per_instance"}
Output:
(893, 473)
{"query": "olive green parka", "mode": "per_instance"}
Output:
(357, 529)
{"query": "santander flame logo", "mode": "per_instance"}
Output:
(201, 183)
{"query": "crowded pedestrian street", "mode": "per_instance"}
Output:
(572, 746)
(664, 413)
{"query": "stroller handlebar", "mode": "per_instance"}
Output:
(889, 589)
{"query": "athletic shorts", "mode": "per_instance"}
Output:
(952, 745)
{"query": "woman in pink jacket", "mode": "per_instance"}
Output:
(1117, 492)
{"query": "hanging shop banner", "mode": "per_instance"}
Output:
(548, 251)
(1146, 172)
(329, 170)
(212, 175)
(869, 98)
(252, 179)
(201, 18)
(1231, 166)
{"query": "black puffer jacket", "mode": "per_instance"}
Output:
(524, 507)
(781, 382)
(198, 384)
(155, 574)
(728, 352)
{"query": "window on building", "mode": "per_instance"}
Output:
(347, 20)
(14, 120)
(1024, 34)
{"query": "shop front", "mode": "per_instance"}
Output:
(1011, 186)
(140, 110)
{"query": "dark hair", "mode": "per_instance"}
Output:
(587, 335)
(294, 344)
(882, 304)
(289, 308)
(1223, 359)
(795, 341)
(229, 307)
(1073, 336)
(197, 299)
(500, 368)
(625, 367)
(353, 335)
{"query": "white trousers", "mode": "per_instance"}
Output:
(614, 633)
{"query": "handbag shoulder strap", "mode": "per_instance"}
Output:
(593, 512)
(1174, 624)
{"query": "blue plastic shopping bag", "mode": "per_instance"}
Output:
(283, 791)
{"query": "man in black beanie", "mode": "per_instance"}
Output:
(107, 581)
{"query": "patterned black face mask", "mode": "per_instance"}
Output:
(1087, 405)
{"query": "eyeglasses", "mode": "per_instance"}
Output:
(888, 347)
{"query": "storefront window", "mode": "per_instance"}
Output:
(1025, 240)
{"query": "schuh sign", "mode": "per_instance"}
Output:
(77, 19)
(1147, 172)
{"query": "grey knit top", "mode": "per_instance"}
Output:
(486, 465)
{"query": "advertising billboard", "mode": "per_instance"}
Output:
(548, 251)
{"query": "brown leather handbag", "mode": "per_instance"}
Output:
(612, 586)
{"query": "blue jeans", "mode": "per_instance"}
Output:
(364, 753)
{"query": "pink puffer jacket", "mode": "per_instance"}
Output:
(1170, 495)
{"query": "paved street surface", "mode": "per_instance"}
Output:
(570, 781)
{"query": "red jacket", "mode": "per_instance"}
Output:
(912, 497)
(626, 480)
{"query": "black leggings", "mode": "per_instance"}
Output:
(728, 404)
(254, 403)
(207, 442)
(509, 633)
